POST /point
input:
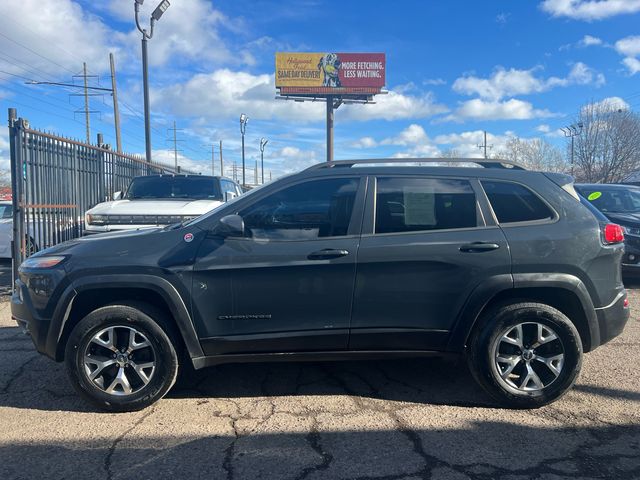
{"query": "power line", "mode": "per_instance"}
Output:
(34, 52)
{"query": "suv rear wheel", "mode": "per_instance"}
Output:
(525, 355)
(119, 358)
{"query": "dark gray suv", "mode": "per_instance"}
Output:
(350, 259)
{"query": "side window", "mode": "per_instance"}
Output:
(513, 203)
(315, 209)
(227, 186)
(417, 204)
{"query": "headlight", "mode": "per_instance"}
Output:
(96, 219)
(45, 261)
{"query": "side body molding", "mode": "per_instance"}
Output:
(99, 283)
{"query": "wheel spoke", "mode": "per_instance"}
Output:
(545, 335)
(513, 336)
(141, 370)
(121, 381)
(554, 363)
(511, 361)
(106, 339)
(134, 344)
(531, 378)
(99, 362)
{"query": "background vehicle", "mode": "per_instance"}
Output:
(39, 233)
(620, 204)
(160, 200)
(504, 266)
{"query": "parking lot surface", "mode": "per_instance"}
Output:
(406, 419)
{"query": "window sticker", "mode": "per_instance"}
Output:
(419, 208)
(594, 196)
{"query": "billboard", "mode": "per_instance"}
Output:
(330, 73)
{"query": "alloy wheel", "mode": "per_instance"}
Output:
(528, 357)
(119, 360)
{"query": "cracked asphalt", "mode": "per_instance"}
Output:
(408, 419)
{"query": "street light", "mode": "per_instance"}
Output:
(263, 143)
(572, 131)
(155, 16)
(243, 127)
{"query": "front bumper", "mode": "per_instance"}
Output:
(613, 318)
(36, 328)
(631, 257)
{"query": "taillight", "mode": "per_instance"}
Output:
(613, 233)
(625, 304)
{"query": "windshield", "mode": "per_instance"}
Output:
(6, 211)
(613, 201)
(169, 187)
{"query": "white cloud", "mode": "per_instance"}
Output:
(365, 142)
(434, 81)
(166, 157)
(513, 109)
(590, 9)
(629, 47)
(544, 128)
(614, 103)
(633, 64)
(59, 30)
(505, 83)
(395, 106)
(292, 159)
(412, 135)
(588, 41)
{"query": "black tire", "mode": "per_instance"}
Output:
(485, 342)
(125, 317)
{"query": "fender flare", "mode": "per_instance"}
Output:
(159, 285)
(489, 289)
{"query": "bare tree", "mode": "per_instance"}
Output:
(608, 148)
(534, 153)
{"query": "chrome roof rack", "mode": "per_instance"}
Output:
(484, 162)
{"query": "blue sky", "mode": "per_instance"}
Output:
(455, 68)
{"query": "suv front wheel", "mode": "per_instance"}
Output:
(525, 355)
(119, 358)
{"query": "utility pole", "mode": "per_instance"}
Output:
(213, 154)
(243, 128)
(175, 141)
(572, 131)
(263, 143)
(86, 101)
(484, 146)
(116, 110)
(255, 173)
(221, 161)
(155, 16)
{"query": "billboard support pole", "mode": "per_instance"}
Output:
(330, 115)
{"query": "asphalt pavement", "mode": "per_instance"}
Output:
(408, 419)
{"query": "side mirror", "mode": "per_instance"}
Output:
(229, 195)
(117, 195)
(230, 226)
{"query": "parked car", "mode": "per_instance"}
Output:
(42, 229)
(155, 200)
(502, 266)
(620, 204)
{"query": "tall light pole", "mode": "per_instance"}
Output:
(263, 143)
(572, 131)
(155, 16)
(243, 127)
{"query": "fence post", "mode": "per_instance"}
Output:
(102, 179)
(15, 147)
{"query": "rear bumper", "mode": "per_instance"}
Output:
(613, 318)
(631, 257)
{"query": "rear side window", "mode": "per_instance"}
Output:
(415, 204)
(514, 203)
(306, 211)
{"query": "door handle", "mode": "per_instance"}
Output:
(478, 247)
(327, 254)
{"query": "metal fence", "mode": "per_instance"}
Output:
(55, 180)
